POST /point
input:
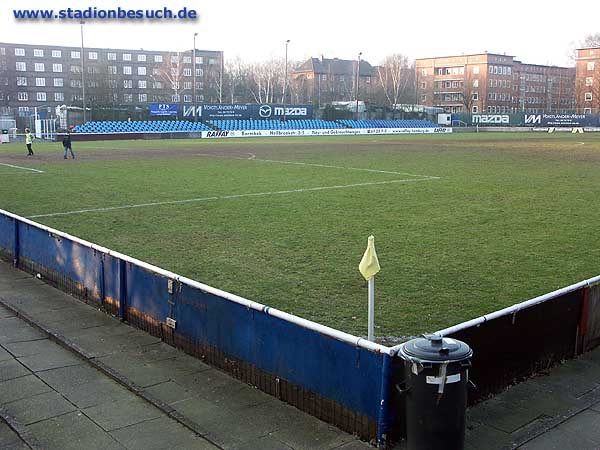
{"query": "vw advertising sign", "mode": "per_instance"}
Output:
(210, 111)
(163, 109)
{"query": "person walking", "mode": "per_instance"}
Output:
(29, 141)
(67, 144)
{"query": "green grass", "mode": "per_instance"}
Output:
(511, 217)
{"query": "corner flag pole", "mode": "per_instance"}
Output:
(369, 267)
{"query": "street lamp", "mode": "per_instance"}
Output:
(357, 82)
(194, 76)
(286, 78)
(83, 71)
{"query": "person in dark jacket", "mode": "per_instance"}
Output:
(67, 144)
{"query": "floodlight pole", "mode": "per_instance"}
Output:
(286, 78)
(194, 77)
(83, 72)
(357, 82)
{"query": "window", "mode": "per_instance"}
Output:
(475, 83)
(38, 53)
(112, 84)
(126, 56)
(22, 96)
(199, 98)
(155, 71)
(475, 109)
(21, 81)
(423, 98)
(75, 69)
(58, 82)
(158, 58)
(57, 68)
(199, 72)
(59, 97)
(2, 51)
(187, 72)
(175, 85)
(21, 67)
(141, 58)
(187, 98)
(112, 70)
(199, 60)
(127, 84)
(475, 70)
(75, 55)
(19, 52)
(175, 98)
(424, 72)
(157, 85)
(591, 65)
(187, 59)
(141, 71)
(41, 96)
(128, 98)
(423, 85)
(143, 98)
(491, 69)
(39, 67)
(174, 59)
(187, 85)
(75, 83)
(324, 77)
(173, 71)
(40, 82)
(587, 110)
(56, 54)
(126, 70)
(588, 96)
(142, 84)
(93, 69)
(112, 56)
(475, 96)
(93, 55)
(589, 81)
(212, 61)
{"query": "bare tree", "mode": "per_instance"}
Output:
(266, 80)
(171, 72)
(394, 76)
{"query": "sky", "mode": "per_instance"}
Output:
(533, 31)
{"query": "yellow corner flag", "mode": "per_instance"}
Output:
(369, 264)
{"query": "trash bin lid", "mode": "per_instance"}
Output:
(433, 347)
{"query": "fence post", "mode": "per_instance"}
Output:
(102, 288)
(122, 289)
(16, 247)
(383, 417)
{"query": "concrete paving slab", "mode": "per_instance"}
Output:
(9, 440)
(585, 424)
(140, 374)
(575, 378)
(556, 439)
(19, 388)
(12, 369)
(154, 352)
(94, 393)
(160, 434)
(596, 407)
(71, 376)
(52, 359)
(313, 435)
(4, 313)
(122, 413)
(263, 443)
(39, 407)
(29, 348)
(482, 437)
(12, 329)
(5, 355)
(169, 392)
(73, 431)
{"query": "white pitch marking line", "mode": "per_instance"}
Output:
(228, 197)
(22, 168)
(327, 166)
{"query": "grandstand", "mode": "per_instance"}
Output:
(170, 126)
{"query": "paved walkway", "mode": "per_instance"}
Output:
(66, 401)
(127, 390)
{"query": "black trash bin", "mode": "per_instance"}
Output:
(435, 386)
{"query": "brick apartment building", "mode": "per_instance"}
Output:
(324, 80)
(493, 83)
(587, 84)
(44, 76)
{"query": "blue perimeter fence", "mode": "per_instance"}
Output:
(339, 378)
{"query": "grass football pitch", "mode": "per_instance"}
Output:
(464, 224)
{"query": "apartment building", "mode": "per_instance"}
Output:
(42, 77)
(325, 80)
(493, 83)
(587, 82)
